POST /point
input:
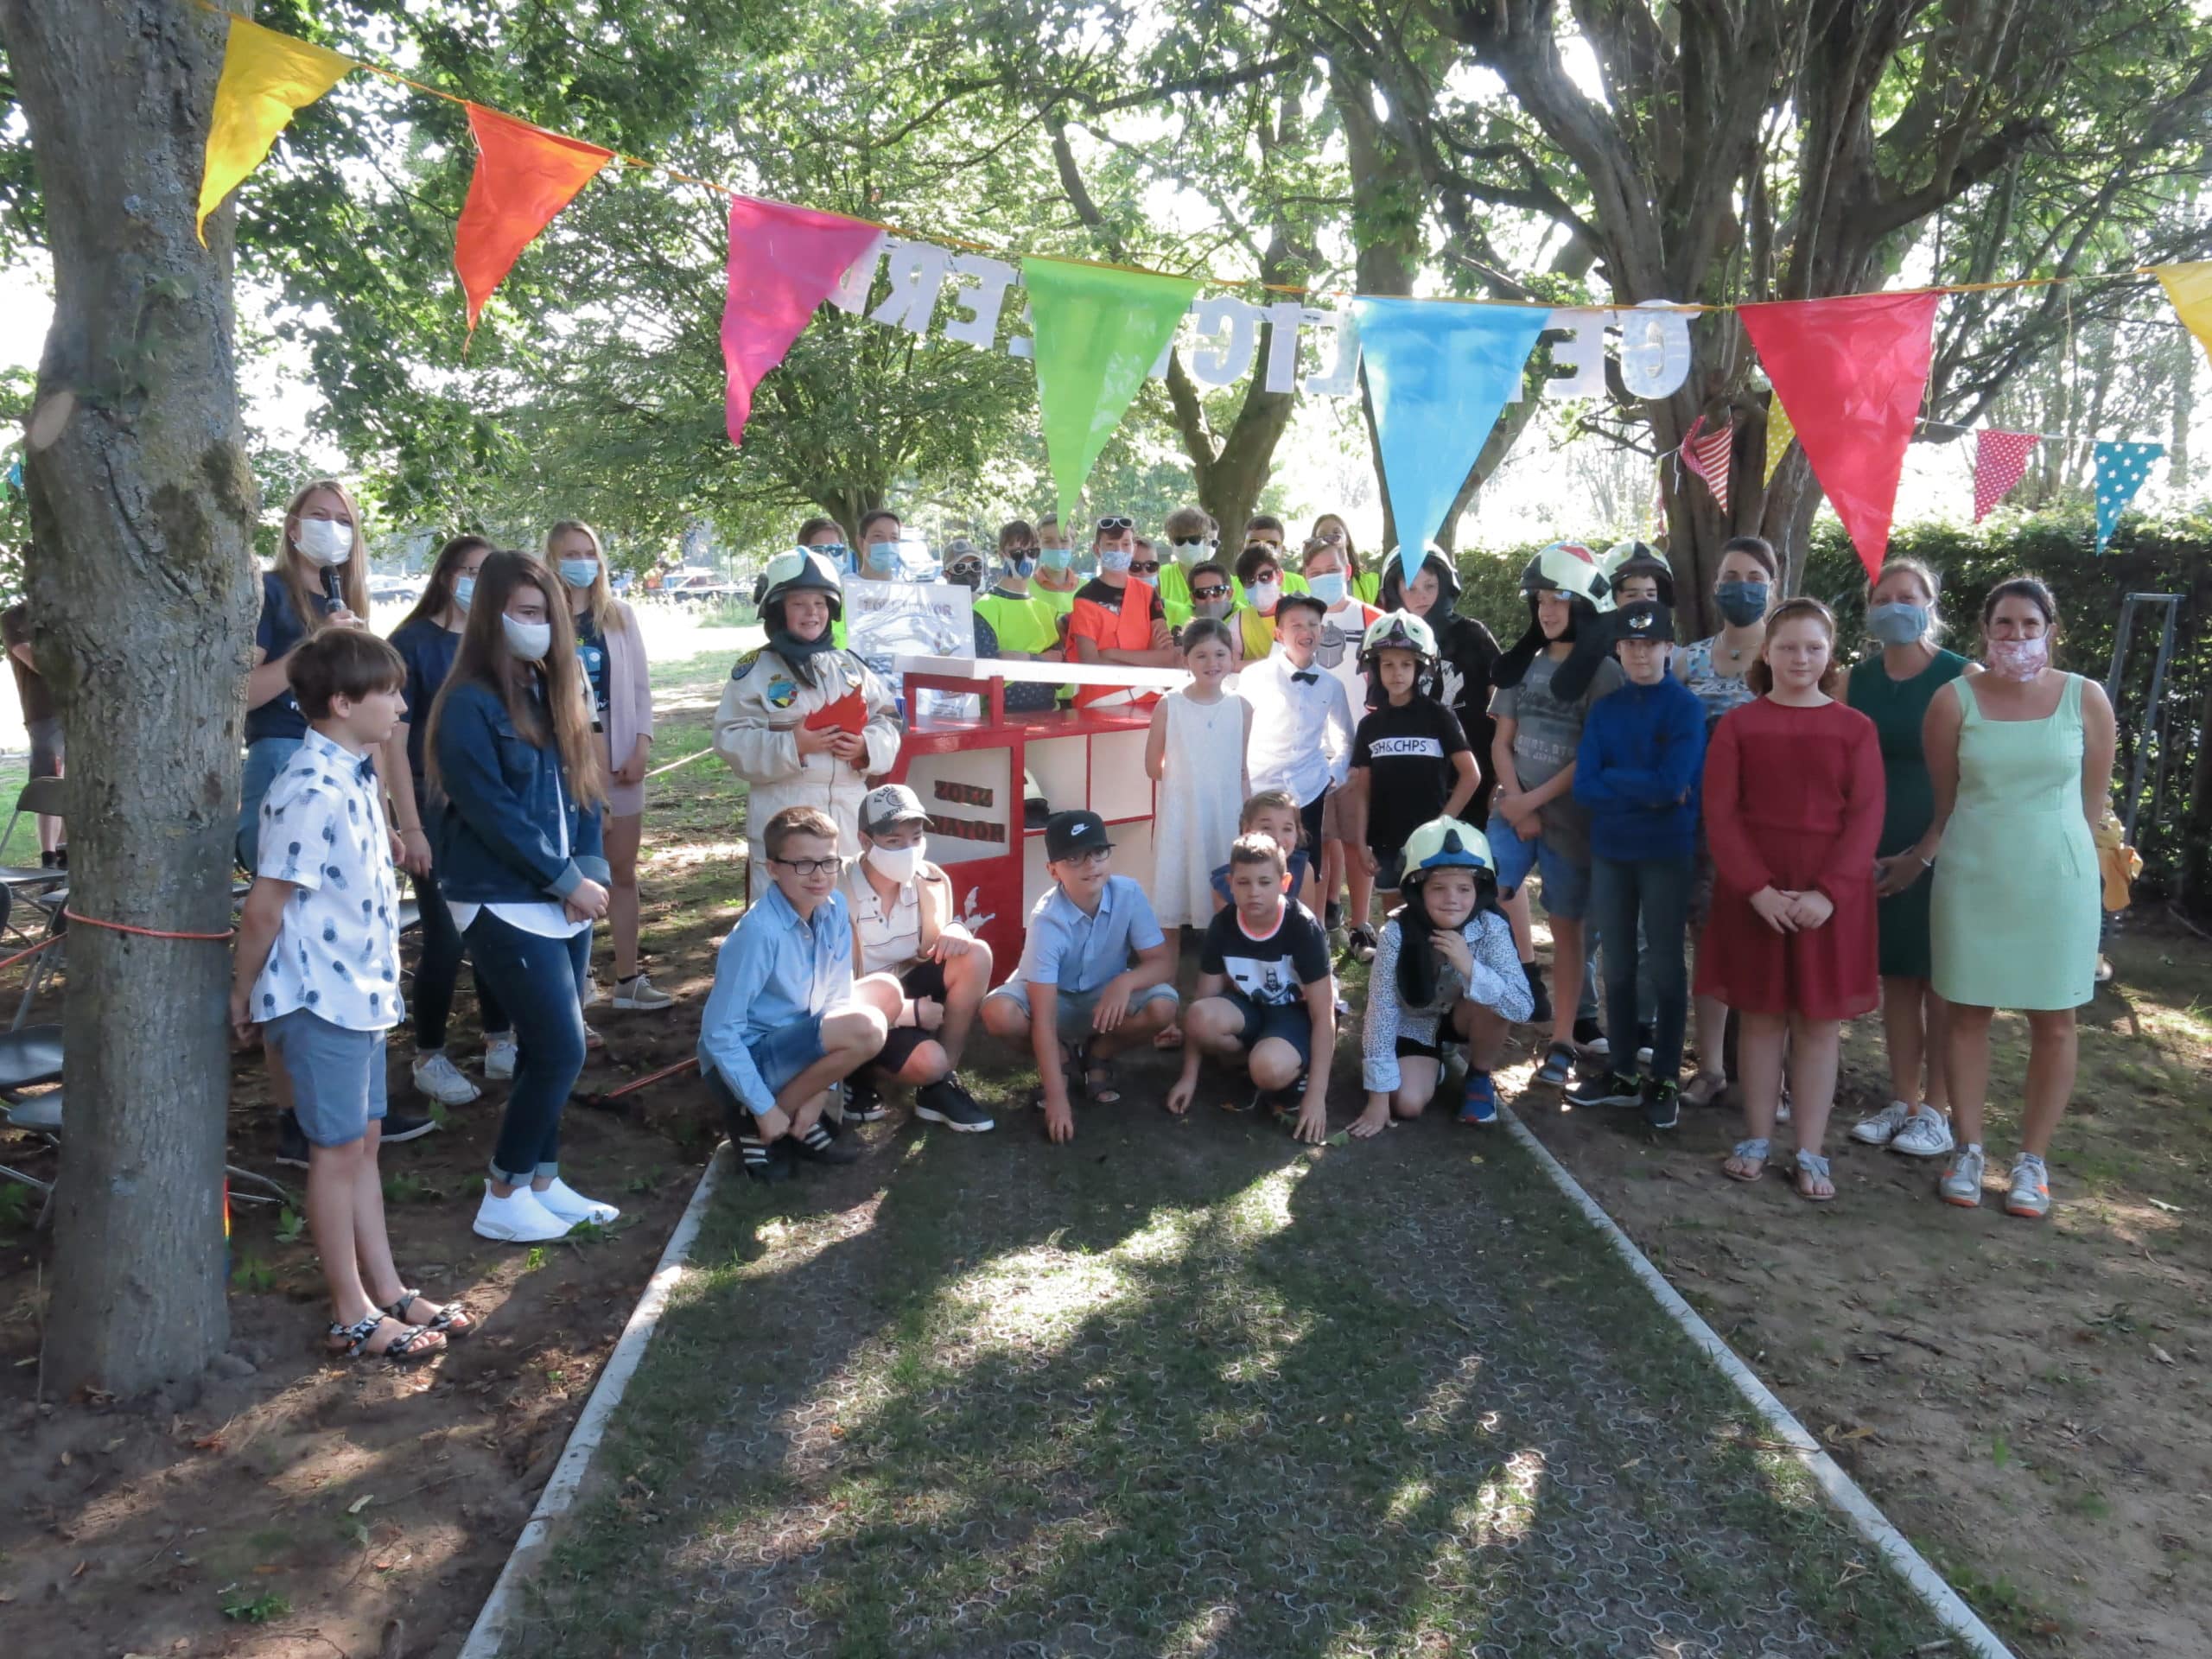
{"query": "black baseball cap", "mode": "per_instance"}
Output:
(1067, 834)
(1647, 619)
(1319, 605)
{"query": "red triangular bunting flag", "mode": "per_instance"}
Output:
(1708, 455)
(848, 714)
(1999, 461)
(1852, 373)
(783, 261)
(525, 176)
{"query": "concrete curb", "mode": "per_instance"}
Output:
(490, 1630)
(1840, 1489)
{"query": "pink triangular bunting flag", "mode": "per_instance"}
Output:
(1708, 455)
(783, 261)
(2000, 460)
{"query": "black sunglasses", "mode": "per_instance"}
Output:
(1214, 591)
(1117, 523)
(1145, 567)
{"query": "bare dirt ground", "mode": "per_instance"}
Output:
(2028, 1403)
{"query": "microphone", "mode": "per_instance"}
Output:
(332, 589)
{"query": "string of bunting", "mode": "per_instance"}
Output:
(1849, 372)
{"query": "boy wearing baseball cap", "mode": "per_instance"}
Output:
(1097, 975)
(1635, 771)
(920, 965)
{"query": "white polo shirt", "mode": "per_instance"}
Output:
(890, 934)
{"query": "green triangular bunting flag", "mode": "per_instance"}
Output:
(1097, 332)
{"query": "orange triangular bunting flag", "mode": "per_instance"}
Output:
(848, 714)
(525, 176)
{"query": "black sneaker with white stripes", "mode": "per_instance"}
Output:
(821, 1144)
(864, 1101)
(766, 1161)
(948, 1102)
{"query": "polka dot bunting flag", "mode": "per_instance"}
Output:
(1781, 430)
(2121, 471)
(2000, 459)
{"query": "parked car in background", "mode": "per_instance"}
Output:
(395, 590)
(700, 588)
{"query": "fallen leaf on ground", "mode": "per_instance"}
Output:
(2161, 1354)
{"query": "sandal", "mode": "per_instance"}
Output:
(451, 1318)
(592, 1040)
(1101, 1082)
(1361, 944)
(1813, 1171)
(415, 1344)
(1704, 1089)
(1746, 1152)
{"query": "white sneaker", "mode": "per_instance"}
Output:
(1961, 1181)
(1926, 1134)
(518, 1218)
(641, 992)
(593, 996)
(571, 1207)
(437, 1077)
(2029, 1193)
(1882, 1129)
(500, 1057)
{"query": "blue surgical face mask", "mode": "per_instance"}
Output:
(1116, 558)
(464, 589)
(1330, 589)
(1055, 559)
(883, 558)
(580, 573)
(1741, 603)
(1897, 625)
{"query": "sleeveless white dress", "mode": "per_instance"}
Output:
(1195, 817)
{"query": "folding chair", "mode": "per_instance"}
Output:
(29, 1057)
(40, 796)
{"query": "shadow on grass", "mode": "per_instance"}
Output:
(1187, 1390)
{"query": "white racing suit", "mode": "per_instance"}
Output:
(756, 731)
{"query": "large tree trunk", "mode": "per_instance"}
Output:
(142, 506)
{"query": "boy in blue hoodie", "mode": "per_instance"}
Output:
(1637, 772)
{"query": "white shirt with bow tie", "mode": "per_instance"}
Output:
(1301, 728)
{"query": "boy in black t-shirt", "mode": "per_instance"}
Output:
(1264, 993)
(1411, 761)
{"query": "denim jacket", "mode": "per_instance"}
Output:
(499, 837)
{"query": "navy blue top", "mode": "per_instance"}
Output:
(427, 650)
(278, 630)
(591, 649)
(499, 839)
(1641, 752)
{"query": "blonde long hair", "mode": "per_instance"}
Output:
(606, 611)
(302, 576)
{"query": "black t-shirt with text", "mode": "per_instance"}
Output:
(1407, 753)
(1272, 972)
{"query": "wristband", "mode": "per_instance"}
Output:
(1927, 863)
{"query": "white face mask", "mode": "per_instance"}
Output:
(900, 864)
(529, 641)
(1264, 595)
(324, 541)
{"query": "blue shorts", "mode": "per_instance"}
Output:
(784, 1052)
(1075, 1009)
(338, 1081)
(1566, 884)
(1286, 1022)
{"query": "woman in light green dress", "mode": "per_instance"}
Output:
(2021, 756)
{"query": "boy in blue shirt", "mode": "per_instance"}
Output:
(1077, 976)
(1637, 772)
(781, 1029)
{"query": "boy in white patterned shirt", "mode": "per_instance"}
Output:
(318, 974)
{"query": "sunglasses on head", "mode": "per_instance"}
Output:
(1117, 523)
(1331, 536)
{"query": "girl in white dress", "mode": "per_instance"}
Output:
(1196, 754)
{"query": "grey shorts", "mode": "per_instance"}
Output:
(1077, 1008)
(46, 748)
(338, 1081)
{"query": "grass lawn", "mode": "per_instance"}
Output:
(1187, 1388)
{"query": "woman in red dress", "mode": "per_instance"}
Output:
(1792, 811)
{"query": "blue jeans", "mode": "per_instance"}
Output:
(539, 977)
(265, 759)
(438, 971)
(1654, 895)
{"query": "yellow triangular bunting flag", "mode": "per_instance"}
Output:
(266, 77)
(1779, 432)
(2189, 288)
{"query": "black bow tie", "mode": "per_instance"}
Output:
(365, 769)
(1304, 677)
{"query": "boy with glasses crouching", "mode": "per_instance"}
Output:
(781, 1029)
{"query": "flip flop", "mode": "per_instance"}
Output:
(1747, 1150)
